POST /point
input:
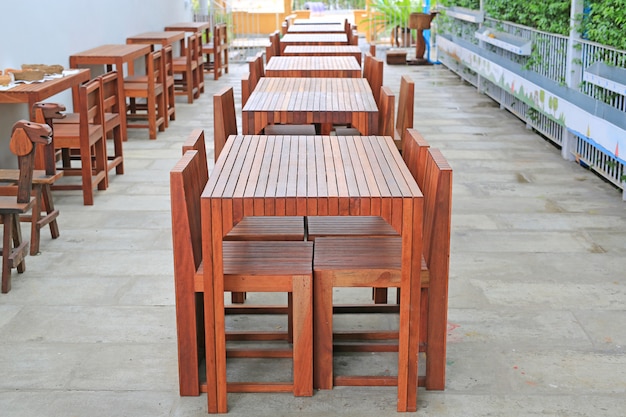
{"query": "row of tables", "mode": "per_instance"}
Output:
(118, 57)
(257, 175)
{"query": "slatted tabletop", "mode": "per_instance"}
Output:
(302, 176)
(328, 101)
(313, 28)
(313, 39)
(313, 66)
(323, 50)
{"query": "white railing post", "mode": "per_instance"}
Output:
(572, 74)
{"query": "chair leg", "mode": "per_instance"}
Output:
(14, 249)
(323, 330)
(7, 241)
(302, 336)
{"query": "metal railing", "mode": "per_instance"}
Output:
(549, 58)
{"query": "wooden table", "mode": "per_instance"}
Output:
(113, 57)
(323, 50)
(196, 27)
(32, 93)
(309, 176)
(313, 39)
(163, 38)
(313, 67)
(319, 21)
(327, 101)
(313, 28)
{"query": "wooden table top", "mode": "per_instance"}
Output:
(319, 21)
(323, 50)
(313, 28)
(312, 175)
(279, 100)
(189, 26)
(314, 39)
(313, 66)
(34, 92)
(166, 37)
(107, 54)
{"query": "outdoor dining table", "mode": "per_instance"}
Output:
(323, 50)
(203, 29)
(313, 66)
(113, 57)
(162, 38)
(39, 91)
(327, 101)
(313, 28)
(311, 176)
(313, 39)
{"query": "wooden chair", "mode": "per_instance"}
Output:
(385, 116)
(257, 70)
(248, 266)
(170, 94)
(224, 118)
(246, 88)
(114, 129)
(88, 140)
(199, 83)
(406, 101)
(186, 71)
(152, 115)
(218, 49)
(373, 72)
(336, 226)
(275, 43)
(366, 261)
(24, 138)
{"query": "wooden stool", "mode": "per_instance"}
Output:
(25, 135)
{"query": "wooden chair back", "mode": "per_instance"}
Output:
(256, 69)
(437, 189)
(386, 110)
(246, 88)
(374, 75)
(367, 65)
(406, 99)
(187, 181)
(224, 118)
(195, 142)
(275, 43)
(414, 152)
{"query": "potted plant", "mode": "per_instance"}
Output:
(393, 16)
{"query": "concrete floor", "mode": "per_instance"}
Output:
(537, 323)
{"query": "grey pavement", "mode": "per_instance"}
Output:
(537, 323)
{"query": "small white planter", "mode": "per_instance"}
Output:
(515, 44)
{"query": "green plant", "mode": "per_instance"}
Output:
(605, 22)
(392, 13)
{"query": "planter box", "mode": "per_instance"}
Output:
(606, 76)
(515, 44)
(468, 15)
(396, 57)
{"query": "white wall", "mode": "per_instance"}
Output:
(48, 32)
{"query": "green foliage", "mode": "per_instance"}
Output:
(468, 4)
(548, 16)
(605, 23)
(394, 12)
